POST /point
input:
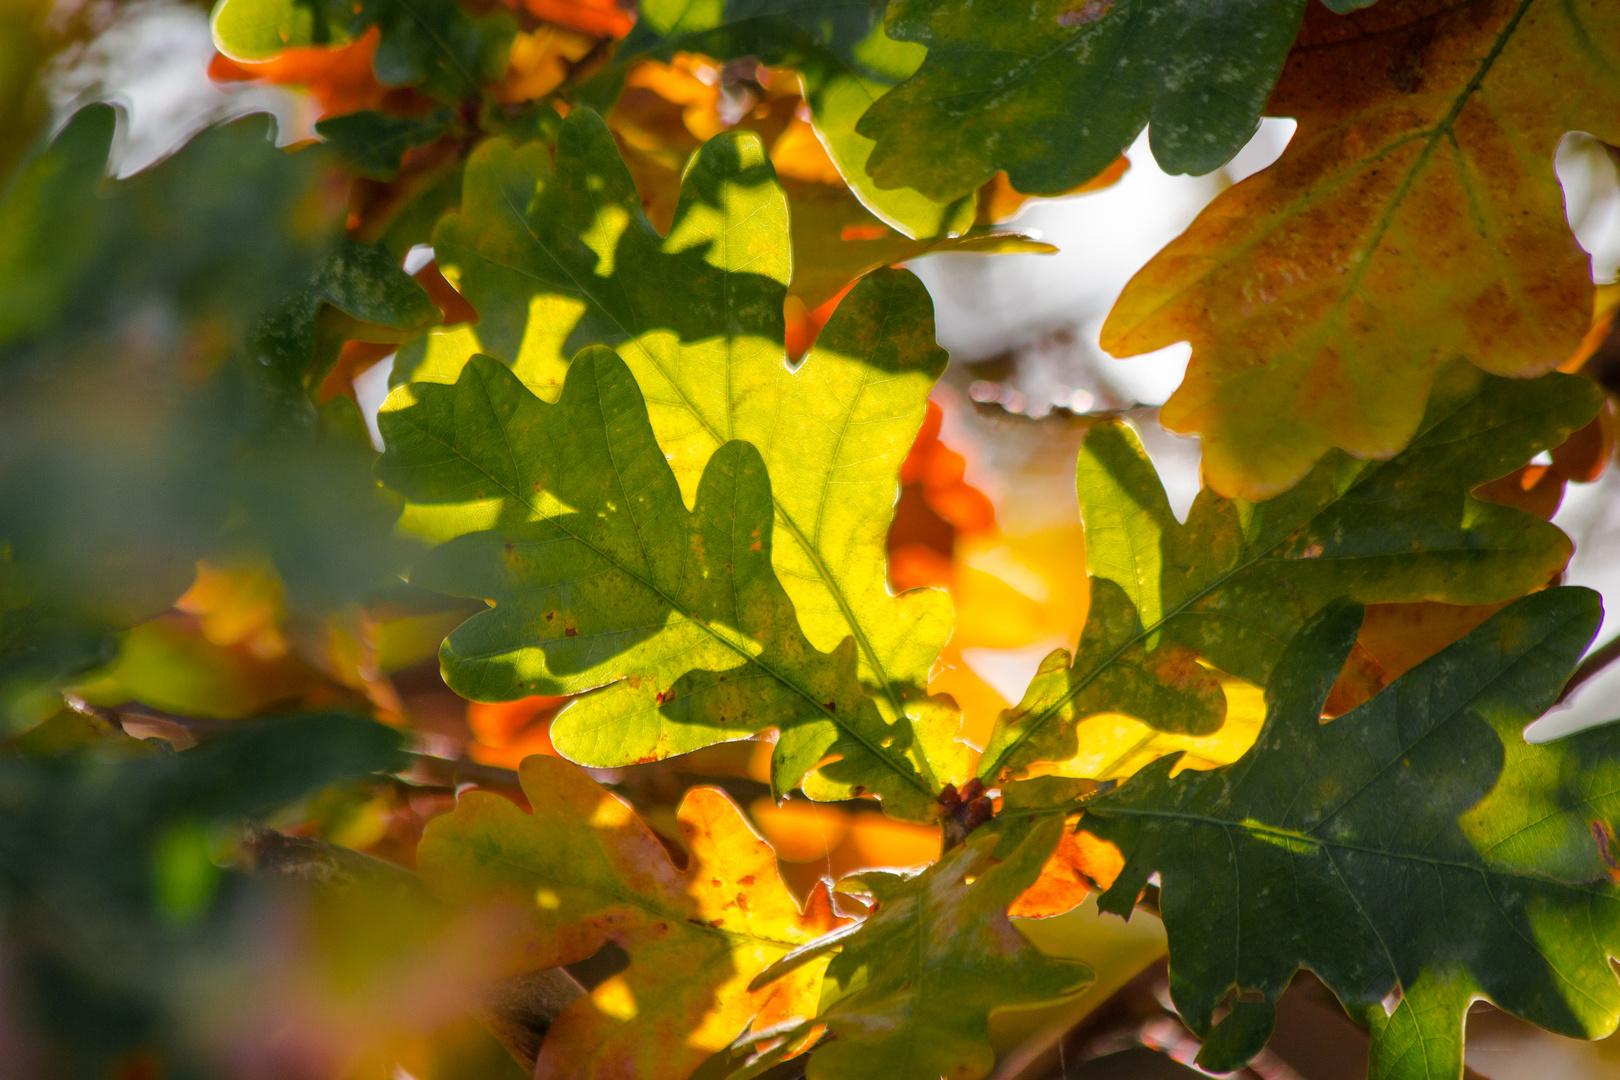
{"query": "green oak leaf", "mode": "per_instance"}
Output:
(846, 62)
(375, 142)
(910, 993)
(1051, 92)
(601, 577)
(436, 45)
(1417, 841)
(1114, 671)
(557, 260)
(1235, 582)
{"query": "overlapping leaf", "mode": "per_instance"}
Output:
(1414, 218)
(153, 415)
(1417, 841)
(910, 993)
(552, 261)
(600, 575)
(1234, 584)
(589, 872)
(436, 45)
(846, 60)
(1051, 92)
(110, 890)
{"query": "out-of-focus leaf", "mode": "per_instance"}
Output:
(589, 872)
(910, 993)
(846, 60)
(153, 414)
(374, 142)
(110, 895)
(554, 259)
(1417, 842)
(1414, 218)
(601, 577)
(1234, 584)
(339, 77)
(1051, 92)
(436, 45)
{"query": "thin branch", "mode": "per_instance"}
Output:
(183, 732)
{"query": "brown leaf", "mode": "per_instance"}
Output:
(1414, 217)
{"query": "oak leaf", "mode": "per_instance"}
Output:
(1234, 583)
(911, 990)
(1051, 92)
(846, 60)
(554, 258)
(1417, 842)
(589, 872)
(434, 45)
(569, 519)
(1414, 218)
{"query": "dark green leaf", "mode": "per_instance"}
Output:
(1051, 92)
(1417, 841)
(375, 142)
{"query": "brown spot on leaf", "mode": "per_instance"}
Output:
(1606, 848)
(570, 631)
(1089, 12)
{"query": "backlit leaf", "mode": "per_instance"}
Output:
(588, 872)
(551, 260)
(1234, 583)
(910, 994)
(571, 522)
(1414, 218)
(846, 60)
(1417, 841)
(436, 45)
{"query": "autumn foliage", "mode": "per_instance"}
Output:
(631, 699)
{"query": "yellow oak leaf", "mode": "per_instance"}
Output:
(588, 871)
(1414, 218)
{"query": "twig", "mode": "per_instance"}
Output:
(183, 732)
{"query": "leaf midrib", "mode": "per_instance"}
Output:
(1075, 689)
(812, 554)
(1274, 833)
(878, 751)
(638, 901)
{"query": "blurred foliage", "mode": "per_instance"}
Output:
(655, 389)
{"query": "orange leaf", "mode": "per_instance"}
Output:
(340, 77)
(588, 871)
(1080, 863)
(539, 63)
(1000, 202)
(1414, 218)
(601, 17)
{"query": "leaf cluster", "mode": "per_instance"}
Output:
(651, 401)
